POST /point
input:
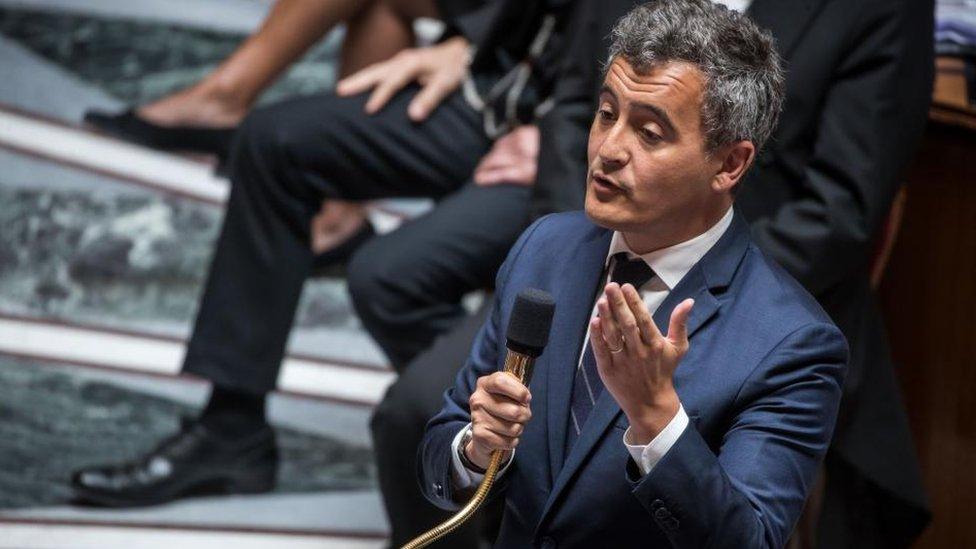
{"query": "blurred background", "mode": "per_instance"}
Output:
(103, 251)
(104, 248)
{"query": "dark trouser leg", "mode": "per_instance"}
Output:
(286, 159)
(407, 286)
(398, 427)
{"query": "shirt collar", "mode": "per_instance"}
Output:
(672, 263)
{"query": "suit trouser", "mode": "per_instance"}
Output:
(407, 285)
(287, 159)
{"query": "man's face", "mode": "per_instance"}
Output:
(648, 171)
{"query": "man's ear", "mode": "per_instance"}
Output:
(736, 159)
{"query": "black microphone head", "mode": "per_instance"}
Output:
(528, 327)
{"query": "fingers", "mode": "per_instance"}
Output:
(428, 98)
(625, 317)
(645, 323)
(498, 426)
(678, 327)
(389, 86)
(515, 175)
(497, 158)
(385, 79)
(490, 440)
(503, 398)
(499, 411)
(611, 330)
(626, 322)
(506, 385)
(600, 349)
(363, 79)
(511, 160)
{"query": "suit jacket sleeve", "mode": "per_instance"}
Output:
(749, 491)
(474, 25)
(561, 176)
(435, 451)
(872, 117)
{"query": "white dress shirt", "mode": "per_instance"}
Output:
(669, 265)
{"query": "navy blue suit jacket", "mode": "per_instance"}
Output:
(761, 383)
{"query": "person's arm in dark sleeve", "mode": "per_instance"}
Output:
(473, 25)
(751, 492)
(435, 461)
(564, 130)
(872, 119)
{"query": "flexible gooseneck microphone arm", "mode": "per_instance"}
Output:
(528, 333)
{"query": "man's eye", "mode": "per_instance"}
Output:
(649, 136)
(605, 114)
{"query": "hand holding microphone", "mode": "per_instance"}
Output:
(500, 403)
(499, 412)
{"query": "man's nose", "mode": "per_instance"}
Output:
(613, 150)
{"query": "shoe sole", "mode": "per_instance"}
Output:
(253, 484)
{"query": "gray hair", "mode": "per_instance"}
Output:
(743, 92)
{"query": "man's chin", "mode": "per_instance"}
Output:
(603, 215)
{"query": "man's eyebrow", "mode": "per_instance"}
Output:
(658, 112)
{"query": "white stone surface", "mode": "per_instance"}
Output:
(33, 84)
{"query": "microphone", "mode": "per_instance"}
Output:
(528, 333)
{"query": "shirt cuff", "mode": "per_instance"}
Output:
(647, 456)
(461, 476)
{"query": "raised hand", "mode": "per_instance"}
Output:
(635, 361)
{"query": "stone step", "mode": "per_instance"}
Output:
(113, 349)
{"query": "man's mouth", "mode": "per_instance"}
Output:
(604, 184)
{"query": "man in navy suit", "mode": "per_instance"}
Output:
(690, 386)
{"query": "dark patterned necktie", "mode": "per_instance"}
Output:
(587, 385)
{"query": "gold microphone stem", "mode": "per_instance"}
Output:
(520, 366)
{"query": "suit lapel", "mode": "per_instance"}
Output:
(786, 19)
(582, 275)
(606, 410)
(711, 274)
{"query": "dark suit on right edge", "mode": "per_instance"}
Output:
(858, 87)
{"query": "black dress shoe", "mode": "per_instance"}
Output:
(324, 262)
(194, 461)
(129, 126)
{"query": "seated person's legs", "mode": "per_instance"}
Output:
(407, 286)
(286, 160)
(225, 95)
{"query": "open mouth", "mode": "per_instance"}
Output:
(604, 184)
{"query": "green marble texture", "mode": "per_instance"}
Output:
(52, 422)
(138, 61)
(122, 258)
